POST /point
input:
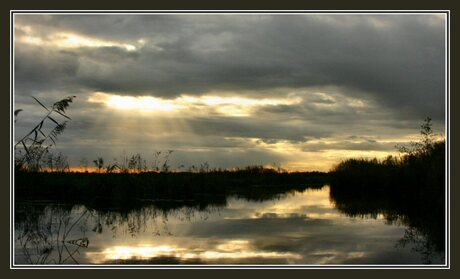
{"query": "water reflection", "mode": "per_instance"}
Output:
(230, 250)
(422, 218)
(53, 236)
(299, 226)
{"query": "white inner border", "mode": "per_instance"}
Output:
(233, 12)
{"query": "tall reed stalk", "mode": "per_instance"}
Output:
(37, 142)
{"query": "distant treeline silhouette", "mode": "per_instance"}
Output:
(125, 187)
(419, 171)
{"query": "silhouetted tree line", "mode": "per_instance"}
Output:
(419, 171)
(126, 187)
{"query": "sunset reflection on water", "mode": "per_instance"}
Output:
(295, 228)
(230, 250)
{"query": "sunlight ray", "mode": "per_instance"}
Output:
(229, 106)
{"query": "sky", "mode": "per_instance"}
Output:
(300, 91)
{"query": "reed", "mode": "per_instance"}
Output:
(35, 145)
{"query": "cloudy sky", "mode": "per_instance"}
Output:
(303, 91)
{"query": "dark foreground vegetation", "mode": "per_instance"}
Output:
(124, 188)
(409, 189)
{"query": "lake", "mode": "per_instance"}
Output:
(298, 227)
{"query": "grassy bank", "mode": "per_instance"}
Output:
(125, 187)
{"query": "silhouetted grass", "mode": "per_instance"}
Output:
(413, 176)
(124, 188)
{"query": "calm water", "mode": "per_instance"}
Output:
(293, 228)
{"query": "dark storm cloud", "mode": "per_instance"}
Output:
(38, 68)
(251, 128)
(396, 60)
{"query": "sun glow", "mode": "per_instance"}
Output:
(70, 40)
(231, 249)
(126, 252)
(67, 40)
(143, 103)
(230, 106)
